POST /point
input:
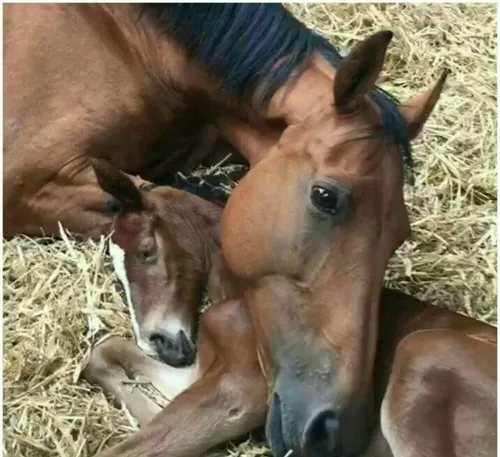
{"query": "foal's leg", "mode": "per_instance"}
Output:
(117, 365)
(227, 401)
(441, 399)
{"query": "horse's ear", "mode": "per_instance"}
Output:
(119, 185)
(359, 71)
(417, 110)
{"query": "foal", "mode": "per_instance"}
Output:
(434, 378)
(165, 251)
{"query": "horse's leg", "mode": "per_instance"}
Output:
(441, 397)
(226, 401)
(73, 199)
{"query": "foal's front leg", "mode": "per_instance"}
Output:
(227, 401)
(118, 366)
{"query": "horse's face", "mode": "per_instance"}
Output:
(158, 255)
(310, 229)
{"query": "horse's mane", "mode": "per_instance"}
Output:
(242, 44)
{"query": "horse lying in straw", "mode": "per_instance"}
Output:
(307, 235)
(431, 392)
(141, 86)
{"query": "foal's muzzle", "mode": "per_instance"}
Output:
(177, 351)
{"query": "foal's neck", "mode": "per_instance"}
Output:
(221, 285)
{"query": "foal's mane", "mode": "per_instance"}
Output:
(241, 44)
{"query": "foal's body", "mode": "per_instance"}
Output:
(435, 371)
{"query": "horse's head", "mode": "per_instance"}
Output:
(159, 254)
(311, 229)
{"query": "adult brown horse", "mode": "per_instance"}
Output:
(139, 85)
(434, 377)
(308, 234)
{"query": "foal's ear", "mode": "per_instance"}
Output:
(417, 110)
(359, 70)
(119, 185)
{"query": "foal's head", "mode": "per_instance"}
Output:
(311, 229)
(159, 252)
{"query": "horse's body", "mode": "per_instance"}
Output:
(306, 234)
(434, 381)
(75, 88)
(144, 92)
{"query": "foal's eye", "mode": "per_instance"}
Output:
(325, 199)
(147, 255)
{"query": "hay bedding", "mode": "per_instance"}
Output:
(60, 296)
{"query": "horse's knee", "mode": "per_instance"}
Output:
(106, 360)
(229, 329)
(245, 392)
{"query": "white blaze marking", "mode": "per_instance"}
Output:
(118, 259)
(173, 326)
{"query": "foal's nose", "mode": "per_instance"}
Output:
(321, 435)
(177, 351)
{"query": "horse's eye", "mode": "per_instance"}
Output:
(326, 200)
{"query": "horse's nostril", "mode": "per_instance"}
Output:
(322, 434)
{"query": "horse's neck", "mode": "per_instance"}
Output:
(311, 93)
(292, 103)
(252, 130)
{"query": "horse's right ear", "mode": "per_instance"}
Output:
(119, 185)
(359, 70)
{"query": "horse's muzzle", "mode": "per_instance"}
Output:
(315, 434)
(304, 417)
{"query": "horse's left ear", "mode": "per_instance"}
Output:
(417, 110)
(359, 70)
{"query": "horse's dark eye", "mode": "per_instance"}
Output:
(326, 200)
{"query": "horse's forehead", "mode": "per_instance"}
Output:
(330, 145)
(325, 129)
